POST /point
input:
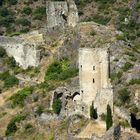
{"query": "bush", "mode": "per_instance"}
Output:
(100, 19)
(23, 22)
(27, 10)
(2, 52)
(105, 1)
(127, 66)
(40, 110)
(11, 62)
(28, 126)
(13, 2)
(57, 105)
(109, 121)
(11, 81)
(18, 98)
(124, 96)
(60, 70)
(11, 127)
(39, 13)
(134, 81)
(4, 75)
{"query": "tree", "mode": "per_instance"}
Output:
(109, 121)
(93, 112)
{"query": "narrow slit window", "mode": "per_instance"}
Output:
(81, 67)
(93, 67)
(93, 80)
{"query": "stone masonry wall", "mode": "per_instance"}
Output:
(25, 53)
(95, 84)
(61, 13)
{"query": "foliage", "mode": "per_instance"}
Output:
(124, 96)
(57, 105)
(127, 66)
(18, 98)
(93, 112)
(11, 62)
(100, 19)
(23, 22)
(40, 110)
(39, 13)
(109, 121)
(11, 127)
(134, 81)
(105, 1)
(27, 10)
(13, 2)
(60, 70)
(28, 126)
(2, 52)
(11, 81)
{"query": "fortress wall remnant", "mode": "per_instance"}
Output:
(95, 84)
(61, 13)
(26, 54)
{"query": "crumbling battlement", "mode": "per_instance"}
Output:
(24, 51)
(61, 13)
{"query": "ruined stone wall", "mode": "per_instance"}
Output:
(25, 53)
(94, 80)
(61, 13)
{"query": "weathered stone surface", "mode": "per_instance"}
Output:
(24, 49)
(61, 13)
(94, 79)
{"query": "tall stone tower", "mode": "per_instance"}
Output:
(95, 86)
(61, 13)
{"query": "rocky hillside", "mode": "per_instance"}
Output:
(26, 95)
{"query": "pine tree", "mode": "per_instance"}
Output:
(109, 121)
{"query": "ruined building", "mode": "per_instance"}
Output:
(61, 13)
(95, 86)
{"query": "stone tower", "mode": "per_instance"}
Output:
(95, 86)
(61, 13)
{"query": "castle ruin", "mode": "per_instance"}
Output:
(95, 86)
(61, 13)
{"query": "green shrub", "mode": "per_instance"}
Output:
(11, 81)
(39, 13)
(40, 110)
(18, 98)
(4, 75)
(27, 10)
(28, 126)
(11, 127)
(60, 70)
(134, 81)
(2, 52)
(57, 105)
(11, 62)
(23, 22)
(109, 120)
(105, 1)
(127, 66)
(100, 19)
(13, 2)
(124, 96)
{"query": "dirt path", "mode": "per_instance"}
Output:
(94, 127)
